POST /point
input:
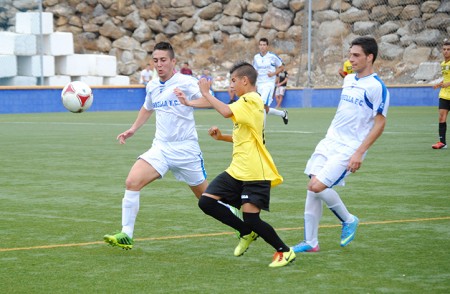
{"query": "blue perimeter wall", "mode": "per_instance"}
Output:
(45, 99)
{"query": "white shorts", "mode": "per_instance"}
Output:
(329, 162)
(280, 91)
(183, 158)
(266, 91)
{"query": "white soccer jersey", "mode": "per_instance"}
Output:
(361, 100)
(174, 121)
(265, 64)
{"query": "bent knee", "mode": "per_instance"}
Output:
(133, 184)
(316, 186)
(206, 203)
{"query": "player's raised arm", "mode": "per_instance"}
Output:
(198, 103)
(222, 108)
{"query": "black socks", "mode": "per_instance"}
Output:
(442, 131)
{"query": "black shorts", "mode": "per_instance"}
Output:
(444, 104)
(236, 193)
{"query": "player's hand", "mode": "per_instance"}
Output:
(355, 162)
(125, 135)
(181, 96)
(215, 132)
(204, 86)
(439, 85)
(270, 74)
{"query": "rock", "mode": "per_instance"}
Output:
(172, 28)
(109, 29)
(277, 19)
(354, 14)
(416, 55)
(249, 28)
(365, 27)
(126, 43)
(389, 51)
(210, 11)
(142, 33)
(428, 71)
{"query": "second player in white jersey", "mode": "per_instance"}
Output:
(361, 100)
(359, 121)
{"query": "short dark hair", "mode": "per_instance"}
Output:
(245, 69)
(165, 47)
(265, 40)
(368, 45)
(446, 42)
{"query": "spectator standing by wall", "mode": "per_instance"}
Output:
(185, 69)
(280, 89)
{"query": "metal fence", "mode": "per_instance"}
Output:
(409, 34)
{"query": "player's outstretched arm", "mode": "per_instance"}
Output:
(217, 134)
(439, 85)
(222, 108)
(198, 103)
(142, 117)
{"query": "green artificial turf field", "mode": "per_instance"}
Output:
(62, 180)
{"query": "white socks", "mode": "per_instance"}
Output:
(273, 111)
(335, 204)
(313, 212)
(130, 208)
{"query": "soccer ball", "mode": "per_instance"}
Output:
(77, 97)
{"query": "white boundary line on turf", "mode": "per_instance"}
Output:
(199, 127)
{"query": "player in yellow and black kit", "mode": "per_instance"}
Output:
(247, 181)
(346, 69)
(444, 97)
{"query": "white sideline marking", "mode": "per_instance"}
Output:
(199, 127)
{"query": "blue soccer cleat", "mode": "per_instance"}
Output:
(349, 231)
(305, 247)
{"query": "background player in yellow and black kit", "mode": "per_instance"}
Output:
(252, 172)
(346, 69)
(444, 97)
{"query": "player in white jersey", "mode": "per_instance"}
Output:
(359, 121)
(175, 145)
(268, 65)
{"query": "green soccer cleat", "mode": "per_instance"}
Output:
(121, 240)
(282, 258)
(244, 243)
